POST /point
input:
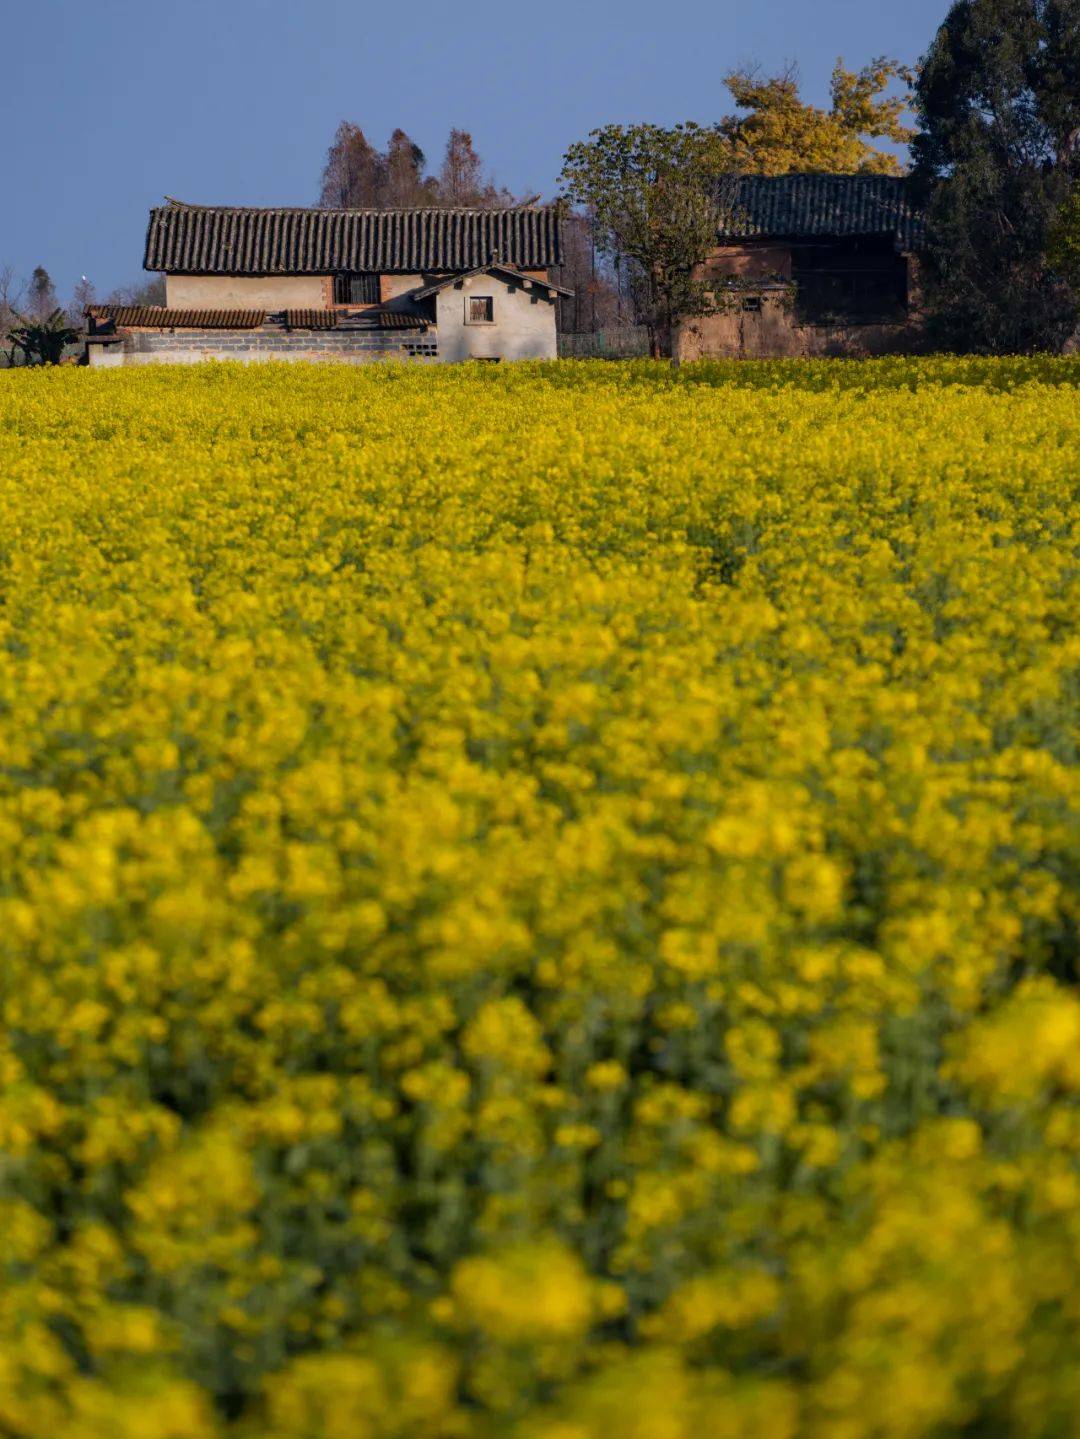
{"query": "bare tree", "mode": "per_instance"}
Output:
(594, 279)
(405, 182)
(355, 173)
(82, 296)
(144, 292)
(461, 180)
(356, 176)
(12, 299)
(10, 289)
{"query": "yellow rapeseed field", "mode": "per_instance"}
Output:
(540, 902)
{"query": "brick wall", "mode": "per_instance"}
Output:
(148, 347)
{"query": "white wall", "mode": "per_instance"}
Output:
(524, 327)
(104, 357)
(248, 292)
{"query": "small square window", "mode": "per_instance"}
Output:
(751, 304)
(480, 309)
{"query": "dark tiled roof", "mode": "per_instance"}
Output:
(159, 316)
(307, 319)
(385, 320)
(106, 319)
(204, 239)
(372, 318)
(810, 206)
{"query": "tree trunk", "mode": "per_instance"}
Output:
(592, 275)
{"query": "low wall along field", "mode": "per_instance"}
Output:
(539, 901)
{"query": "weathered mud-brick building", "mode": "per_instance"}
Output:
(811, 265)
(347, 285)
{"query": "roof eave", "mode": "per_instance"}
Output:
(528, 282)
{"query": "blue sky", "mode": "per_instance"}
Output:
(108, 104)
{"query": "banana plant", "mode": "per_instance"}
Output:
(42, 342)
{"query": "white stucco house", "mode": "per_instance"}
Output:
(349, 285)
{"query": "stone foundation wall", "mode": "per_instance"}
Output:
(146, 347)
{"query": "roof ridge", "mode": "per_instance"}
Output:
(846, 175)
(171, 203)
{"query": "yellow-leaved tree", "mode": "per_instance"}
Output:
(782, 134)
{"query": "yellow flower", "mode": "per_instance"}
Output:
(580, 857)
(525, 1294)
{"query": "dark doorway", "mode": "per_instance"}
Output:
(858, 281)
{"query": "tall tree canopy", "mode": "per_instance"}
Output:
(41, 294)
(358, 176)
(405, 183)
(461, 179)
(998, 100)
(1063, 251)
(781, 133)
(353, 176)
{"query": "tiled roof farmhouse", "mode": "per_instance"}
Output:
(348, 285)
(811, 265)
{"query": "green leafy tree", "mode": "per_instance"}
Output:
(998, 149)
(1063, 250)
(655, 202)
